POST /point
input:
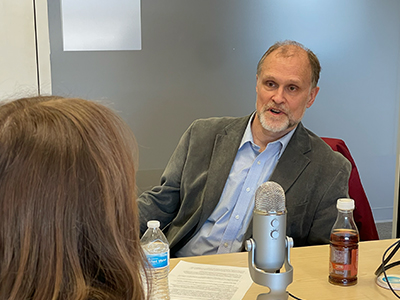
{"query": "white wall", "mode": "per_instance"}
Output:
(18, 71)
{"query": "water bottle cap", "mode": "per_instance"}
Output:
(153, 224)
(345, 204)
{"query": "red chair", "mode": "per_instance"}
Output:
(362, 213)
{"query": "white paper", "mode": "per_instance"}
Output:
(99, 25)
(191, 281)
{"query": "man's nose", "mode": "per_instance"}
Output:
(279, 95)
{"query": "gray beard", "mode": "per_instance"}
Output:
(275, 128)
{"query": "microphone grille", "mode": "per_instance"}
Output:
(270, 197)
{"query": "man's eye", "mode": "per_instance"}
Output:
(270, 84)
(292, 88)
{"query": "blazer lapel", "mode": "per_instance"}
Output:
(293, 161)
(224, 152)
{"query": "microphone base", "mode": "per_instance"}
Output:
(276, 282)
(269, 296)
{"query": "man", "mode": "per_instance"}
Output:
(206, 197)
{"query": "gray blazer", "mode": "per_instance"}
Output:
(312, 175)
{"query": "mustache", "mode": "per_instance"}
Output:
(268, 107)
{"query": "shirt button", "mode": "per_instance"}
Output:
(248, 189)
(226, 245)
(259, 163)
(237, 217)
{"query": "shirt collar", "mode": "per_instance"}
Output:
(248, 137)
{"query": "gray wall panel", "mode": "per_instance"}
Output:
(199, 59)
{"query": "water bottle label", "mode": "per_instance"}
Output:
(159, 260)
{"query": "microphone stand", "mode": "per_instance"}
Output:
(276, 282)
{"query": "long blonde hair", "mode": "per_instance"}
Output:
(69, 225)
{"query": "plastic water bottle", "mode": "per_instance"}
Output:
(344, 240)
(156, 248)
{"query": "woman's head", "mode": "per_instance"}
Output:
(69, 226)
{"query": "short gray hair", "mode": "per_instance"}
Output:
(283, 46)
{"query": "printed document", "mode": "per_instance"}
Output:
(193, 281)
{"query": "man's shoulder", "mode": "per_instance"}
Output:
(321, 150)
(219, 123)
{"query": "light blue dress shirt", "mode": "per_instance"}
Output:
(224, 230)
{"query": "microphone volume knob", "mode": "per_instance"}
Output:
(275, 223)
(274, 234)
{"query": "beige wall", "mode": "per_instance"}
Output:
(18, 72)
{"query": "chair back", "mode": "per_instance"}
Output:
(362, 213)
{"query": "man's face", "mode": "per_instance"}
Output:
(284, 91)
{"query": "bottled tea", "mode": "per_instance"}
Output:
(343, 261)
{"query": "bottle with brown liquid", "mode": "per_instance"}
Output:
(343, 260)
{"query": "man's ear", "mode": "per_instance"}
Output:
(313, 95)
(256, 83)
